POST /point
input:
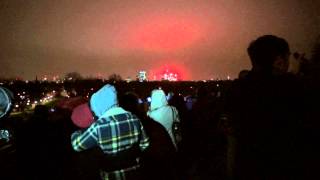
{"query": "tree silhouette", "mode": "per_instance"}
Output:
(73, 76)
(115, 77)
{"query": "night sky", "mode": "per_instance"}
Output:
(199, 39)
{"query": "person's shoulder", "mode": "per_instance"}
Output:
(289, 77)
(238, 85)
(132, 116)
(290, 80)
(125, 116)
(116, 119)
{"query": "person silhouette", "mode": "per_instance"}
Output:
(265, 108)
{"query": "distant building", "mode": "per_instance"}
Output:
(128, 79)
(169, 76)
(142, 76)
(44, 78)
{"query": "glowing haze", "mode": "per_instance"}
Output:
(196, 39)
(159, 33)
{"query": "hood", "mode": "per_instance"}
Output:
(6, 98)
(103, 100)
(158, 99)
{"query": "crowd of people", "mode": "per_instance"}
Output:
(265, 126)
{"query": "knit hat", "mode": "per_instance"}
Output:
(82, 116)
(100, 102)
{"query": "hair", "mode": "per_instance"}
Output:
(243, 73)
(129, 101)
(264, 50)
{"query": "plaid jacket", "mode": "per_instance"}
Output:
(112, 134)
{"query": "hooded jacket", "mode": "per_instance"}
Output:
(104, 102)
(161, 112)
(117, 132)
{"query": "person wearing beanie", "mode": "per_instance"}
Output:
(118, 133)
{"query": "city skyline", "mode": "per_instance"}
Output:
(197, 39)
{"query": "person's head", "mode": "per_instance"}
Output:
(269, 54)
(103, 100)
(243, 74)
(158, 99)
(129, 101)
(100, 102)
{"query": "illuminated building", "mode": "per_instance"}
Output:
(169, 76)
(142, 76)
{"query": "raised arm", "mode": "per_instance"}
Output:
(85, 140)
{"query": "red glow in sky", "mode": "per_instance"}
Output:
(207, 38)
(158, 72)
(164, 33)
